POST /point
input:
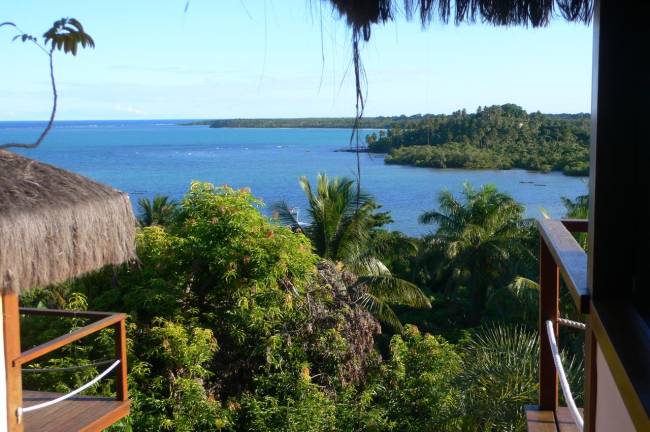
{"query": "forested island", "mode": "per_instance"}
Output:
(495, 137)
(309, 122)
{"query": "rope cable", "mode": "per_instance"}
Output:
(564, 383)
(20, 410)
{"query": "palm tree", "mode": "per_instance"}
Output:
(342, 220)
(480, 235)
(158, 211)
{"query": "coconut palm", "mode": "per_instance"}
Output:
(158, 211)
(342, 220)
(481, 235)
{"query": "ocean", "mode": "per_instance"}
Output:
(151, 157)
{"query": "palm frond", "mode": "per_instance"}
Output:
(159, 211)
(368, 265)
(394, 290)
(380, 310)
(520, 284)
(67, 34)
(341, 217)
(284, 215)
(431, 217)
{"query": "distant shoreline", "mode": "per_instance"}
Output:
(303, 123)
(355, 150)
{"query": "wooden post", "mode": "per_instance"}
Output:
(11, 329)
(549, 292)
(120, 354)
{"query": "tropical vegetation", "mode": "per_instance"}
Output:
(495, 137)
(343, 220)
(482, 237)
(240, 322)
(157, 211)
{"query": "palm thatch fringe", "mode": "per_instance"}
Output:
(56, 225)
(361, 14)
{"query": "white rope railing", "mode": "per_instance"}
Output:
(566, 390)
(20, 411)
(573, 324)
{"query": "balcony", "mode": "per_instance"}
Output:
(55, 412)
(560, 257)
(617, 342)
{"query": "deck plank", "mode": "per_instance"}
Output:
(565, 420)
(81, 413)
(540, 421)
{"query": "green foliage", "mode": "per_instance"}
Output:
(183, 355)
(448, 155)
(287, 401)
(58, 377)
(159, 211)
(500, 377)
(342, 222)
(517, 302)
(578, 209)
(236, 325)
(67, 34)
(496, 137)
(416, 387)
(481, 236)
(220, 271)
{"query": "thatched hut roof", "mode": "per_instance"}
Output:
(362, 14)
(56, 225)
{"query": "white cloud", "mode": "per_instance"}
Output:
(129, 109)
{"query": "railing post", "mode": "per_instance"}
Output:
(120, 354)
(11, 337)
(549, 293)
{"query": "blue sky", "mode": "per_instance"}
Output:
(270, 58)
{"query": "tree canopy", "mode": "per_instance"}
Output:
(235, 324)
(495, 137)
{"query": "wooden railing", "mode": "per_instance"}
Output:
(104, 320)
(560, 256)
(615, 328)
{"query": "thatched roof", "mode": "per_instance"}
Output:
(361, 14)
(56, 225)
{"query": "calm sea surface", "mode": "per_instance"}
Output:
(145, 158)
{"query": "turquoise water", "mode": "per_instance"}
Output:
(158, 157)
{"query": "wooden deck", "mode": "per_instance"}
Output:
(81, 413)
(546, 421)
